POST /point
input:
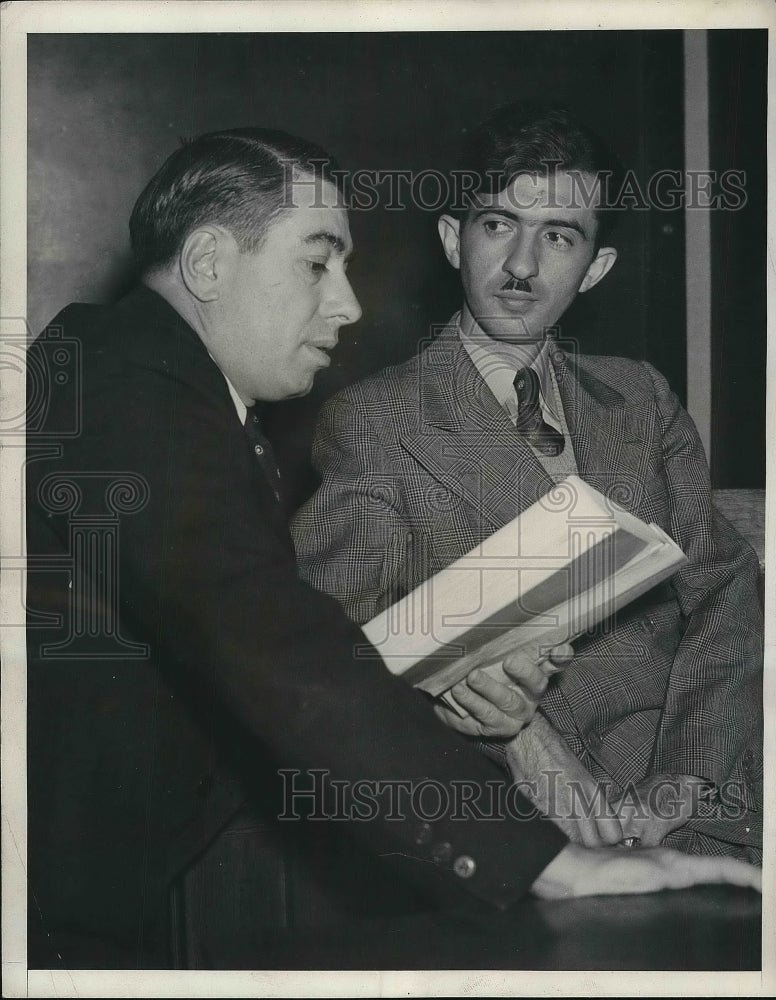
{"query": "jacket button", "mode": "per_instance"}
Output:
(258, 449)
(423, 834)
(464, 867)
(441, 853)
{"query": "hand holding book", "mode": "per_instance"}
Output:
(502, 707)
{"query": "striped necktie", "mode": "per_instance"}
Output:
(530, 423)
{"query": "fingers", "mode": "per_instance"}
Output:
(483, 719)
(494, 709)
(561, 655)
(593, 832)
(578, 871)
(686, 870)
(609, 830)
(737, 872)
(631, 822)
(500, 709)
(497, 709)
(532, 669)
(467, 726)
(509, 700)
(532, 677)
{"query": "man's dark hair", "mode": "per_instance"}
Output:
(238, 178)
(523, 138)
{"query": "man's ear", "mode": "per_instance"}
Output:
(200, 262)
(449, 234)
(602, 263)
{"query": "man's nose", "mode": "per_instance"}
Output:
(344, 305)
(522, 261)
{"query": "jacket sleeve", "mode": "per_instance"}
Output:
(711, 719)
(352, 538)
(208, 578)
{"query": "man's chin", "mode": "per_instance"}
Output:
(511, 330)
(304, 389)
(288, 392)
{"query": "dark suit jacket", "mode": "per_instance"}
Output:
(419, 463)
(176, 660)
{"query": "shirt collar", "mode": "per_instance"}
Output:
(497, 361)
(242, 409)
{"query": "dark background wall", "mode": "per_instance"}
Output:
(738, 83)
(105, 110)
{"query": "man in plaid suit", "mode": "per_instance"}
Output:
(662, 707)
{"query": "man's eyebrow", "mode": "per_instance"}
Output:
(555, 223)
(324, 236)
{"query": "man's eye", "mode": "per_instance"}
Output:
(496, 226)
(559, 240)
(316, 267)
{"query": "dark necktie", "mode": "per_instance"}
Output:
(262, 449)
(537, 432)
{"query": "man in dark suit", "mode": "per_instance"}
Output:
(176, 662)
(665, 704)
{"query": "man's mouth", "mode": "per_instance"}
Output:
(322, 348)
(514, 300)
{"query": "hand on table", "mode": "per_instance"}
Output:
(614, 871)
(660, 803)
(502, 707)
(560, 786)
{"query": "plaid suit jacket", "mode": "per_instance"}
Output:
(419, 463)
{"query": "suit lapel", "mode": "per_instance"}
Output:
(609, 437)
(465, 440)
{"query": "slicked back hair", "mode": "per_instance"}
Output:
(523, 138)
(238, 179)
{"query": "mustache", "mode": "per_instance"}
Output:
(516, 285)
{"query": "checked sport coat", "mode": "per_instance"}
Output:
(419, 463)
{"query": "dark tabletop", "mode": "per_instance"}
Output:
(705, 928)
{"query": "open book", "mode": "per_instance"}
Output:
(565, 564)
